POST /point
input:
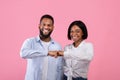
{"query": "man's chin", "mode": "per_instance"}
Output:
(45, 36)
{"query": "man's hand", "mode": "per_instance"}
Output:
(60, 53)
(53, 53)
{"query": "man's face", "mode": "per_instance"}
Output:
(46, 27)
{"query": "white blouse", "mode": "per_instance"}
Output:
(77, 60)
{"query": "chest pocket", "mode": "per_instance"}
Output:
(37, 46)
(53, 47)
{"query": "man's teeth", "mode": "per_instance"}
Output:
(46, 31)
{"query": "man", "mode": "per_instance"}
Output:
(41, 53)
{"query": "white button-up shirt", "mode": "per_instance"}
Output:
(37, 59)
(77, 60)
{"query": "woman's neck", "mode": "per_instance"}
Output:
(76, 44)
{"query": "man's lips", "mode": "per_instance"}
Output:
(45, 31)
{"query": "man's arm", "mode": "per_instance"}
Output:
(52, 53)
(27, 51)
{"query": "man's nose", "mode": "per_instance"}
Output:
(46, 26)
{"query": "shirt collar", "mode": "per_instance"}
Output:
(39, 40)
(82, 43)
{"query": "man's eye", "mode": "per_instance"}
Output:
(43, 24)
(48, 25)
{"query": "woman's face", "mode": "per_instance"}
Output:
(76, 33)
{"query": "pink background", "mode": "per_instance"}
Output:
(19, 20)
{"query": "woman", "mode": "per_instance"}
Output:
(77, 55)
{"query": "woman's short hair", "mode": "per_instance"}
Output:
(81, 25)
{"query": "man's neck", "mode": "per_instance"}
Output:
(45, 39)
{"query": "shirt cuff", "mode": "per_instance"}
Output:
(66, 54)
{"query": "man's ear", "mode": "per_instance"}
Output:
(38, 26)
(53, 26)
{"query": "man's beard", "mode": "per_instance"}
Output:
(42, 35)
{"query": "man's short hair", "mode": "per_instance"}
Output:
(47, 16)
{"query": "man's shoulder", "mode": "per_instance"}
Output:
(55, 42)
(31, 39)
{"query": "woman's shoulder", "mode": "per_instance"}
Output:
(68, 46)
(88, 44)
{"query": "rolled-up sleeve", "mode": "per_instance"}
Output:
(27, 50)
(82, 53)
